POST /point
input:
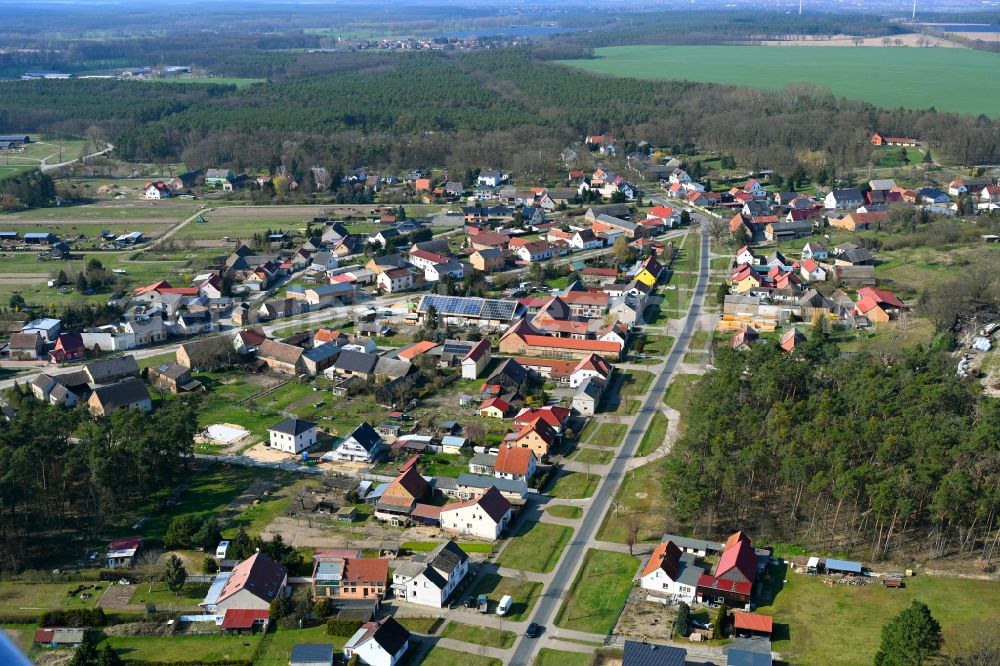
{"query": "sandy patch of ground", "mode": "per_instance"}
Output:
(316, 531)
(262, 453)
(909, 39)
(342, 467)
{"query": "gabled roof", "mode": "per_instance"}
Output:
(752, 622)
(366, 436)
(417, 349)
(355, 361)
(279, 351)
(879, 297)
(738, 554)
(667, 557)
(478, 350)
(513, 460)
(411, 482)
(554, 416)
(492, 502)
(389, 634)
(259, 575)
(652, 654)
(122, 393)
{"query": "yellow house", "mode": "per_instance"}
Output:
(494, 408)
(649, 272)
(746, 282)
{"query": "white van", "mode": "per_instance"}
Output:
(504, 606)
(221, 550)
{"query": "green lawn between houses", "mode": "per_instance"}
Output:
(655, 433)
(479, 635)
(574, 485)
(197, 649)
(565, 511)
(599, 592)
(550, 657)
(962, 81)
(523, 594)
(535, 547)
(440, 656)
(841, 625)
(608, 435)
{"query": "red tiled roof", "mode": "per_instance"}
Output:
(570, 343)
(880, 296)
(365, 570)
(738, 554)
(751, 622)
(243, 618)
(513, 460)
(125, 543)
(478, 350)
(259, 575)
(666, 556)
(417, 349)
(499, 403)
(714, 583)
(605, 272)
(554, 416)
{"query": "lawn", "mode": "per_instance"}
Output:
(550, 657)
(565, 511)
(843, 624)
(440, 656)
(428, 546)
(523, 594)
(699, 340)
(277, 650)
(479, 635)
(655, 433)
(599, 592)
(574, 485)
(593, 456)
(636, 382)
(608, 435)
(188, 649)
(23, 597)
(535, 547)
(962, 83)
(695, 358)
(209, 490)
(657, 345)
(640, 496)
(191, 594)
(677, 392)
(421, 625)
(888, 156)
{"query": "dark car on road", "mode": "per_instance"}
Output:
(533, 631)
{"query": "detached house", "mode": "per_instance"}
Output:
(485, 517)
(844, 199)
(878, 305)
(252, 585)
(431, 580)
(26, 346)
(734, 577)
(292, 435)
(129, 394)
(362, 445)
(671, 573)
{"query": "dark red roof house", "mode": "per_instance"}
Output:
(734, 576)
(68, 347)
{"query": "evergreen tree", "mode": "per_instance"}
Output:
(109, 657)
(683, 620)
(910, 638)
(86, 652)
(928, 159)
(81, 283)
(240, 547)
(175, 574)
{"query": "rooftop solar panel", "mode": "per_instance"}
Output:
(469, 307)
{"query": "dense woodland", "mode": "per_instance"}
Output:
(499, 108)
(876, 457)
(65, 474)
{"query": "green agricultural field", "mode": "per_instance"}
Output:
(599, 592)
(842, 625)
(958, 80)
(198, 649)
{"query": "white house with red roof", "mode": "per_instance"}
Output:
(156, 190)
(476, 360)
(592, 367)
(252, 585)
(122, 552)
(665, 215)
(554, 416)
(485, 517)
(671, 574)
(812, 271)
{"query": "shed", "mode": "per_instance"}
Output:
(749, 652)
(843, 566)
(751, 625)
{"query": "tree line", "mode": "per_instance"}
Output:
(865, 455)
(63, 472)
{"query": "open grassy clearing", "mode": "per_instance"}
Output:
(636, 382)
(961, 76)
(565, 511)
(479, 635)
(608, 435)
(599, 592)
(655, 433)
(440, 656)
(695, 358)
(191, 594)
(203, 649)
(523, 594)
(842, 625)
(574, 485)
(640, 498)
(656, 345)
(550, 657)
(30, 598)
(535, 547)
(593, 457)
(277, 650)
(676, 395)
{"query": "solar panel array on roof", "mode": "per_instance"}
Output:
(485, 308)
(457, 347)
